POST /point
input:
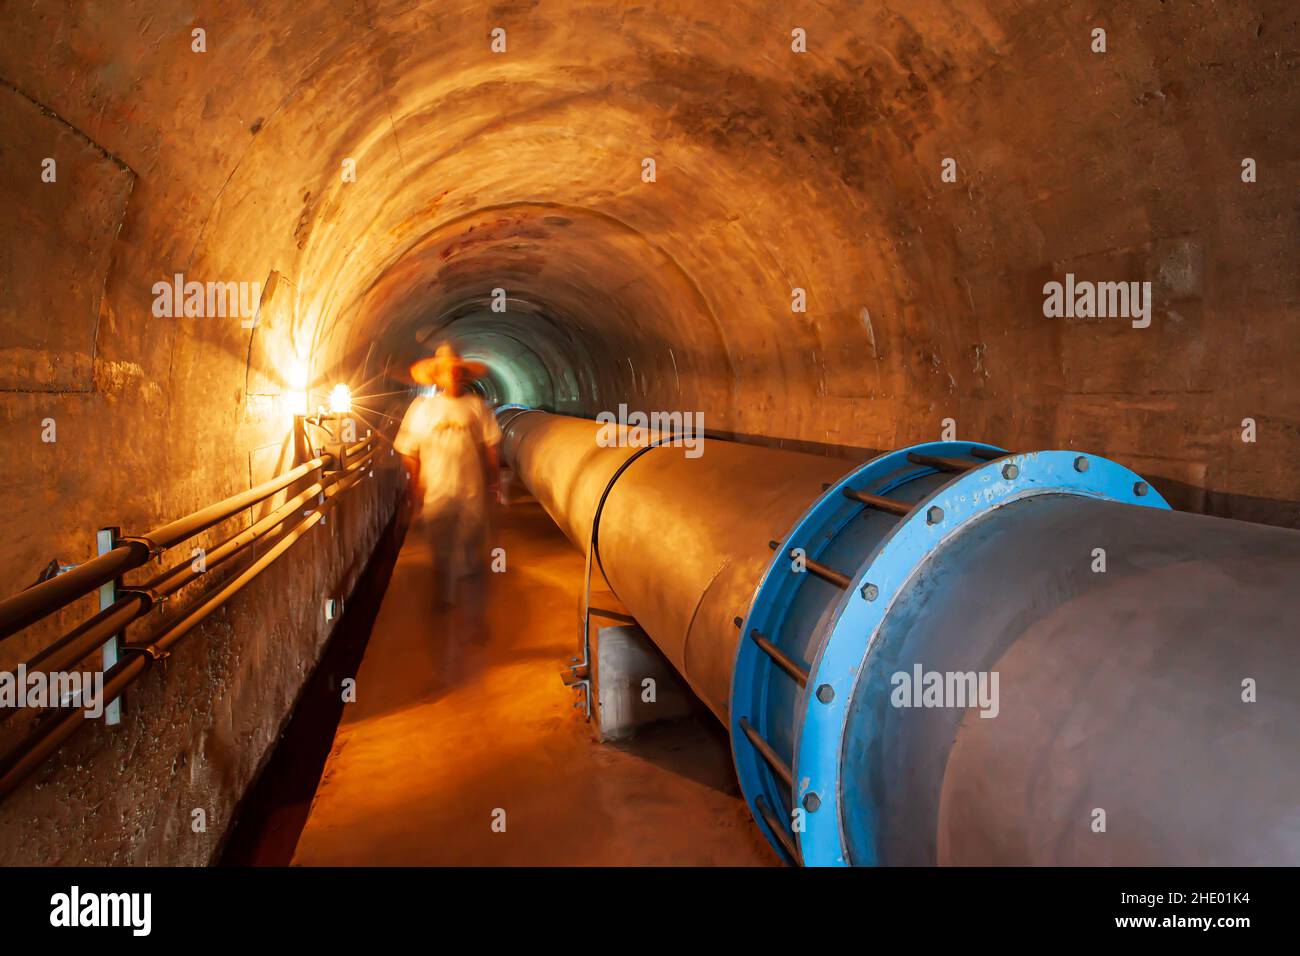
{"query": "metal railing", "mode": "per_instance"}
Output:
(334, 475)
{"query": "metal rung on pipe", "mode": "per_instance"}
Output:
(782, 660)
(940, 462)
(891, 505)
(825, 573)
(987, 454)
(771, 756)
(774, 824)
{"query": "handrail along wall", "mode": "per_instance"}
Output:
(278, 528)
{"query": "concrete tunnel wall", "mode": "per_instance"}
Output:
(522, 171)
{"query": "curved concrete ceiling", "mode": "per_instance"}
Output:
(775, 171)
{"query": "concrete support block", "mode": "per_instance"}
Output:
(635, 684)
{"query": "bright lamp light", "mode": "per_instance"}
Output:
(295, 390)
(340, 399)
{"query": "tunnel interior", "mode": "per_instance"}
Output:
(828, 227)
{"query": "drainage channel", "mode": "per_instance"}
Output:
(272, 814)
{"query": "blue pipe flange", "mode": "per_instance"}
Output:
(797, 713)
(788, 614)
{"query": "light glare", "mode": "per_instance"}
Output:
(340, 399)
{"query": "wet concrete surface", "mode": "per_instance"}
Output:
(453, 731)
(271, 815)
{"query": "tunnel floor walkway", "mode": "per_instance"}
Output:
(446, 730)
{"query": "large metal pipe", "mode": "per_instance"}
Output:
(1140, 665)
(682, 541)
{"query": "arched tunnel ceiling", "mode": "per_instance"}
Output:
(581, 289)
(775, 170)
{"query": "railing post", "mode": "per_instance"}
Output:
(106, 541)
(302, 450)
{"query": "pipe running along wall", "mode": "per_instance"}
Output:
(952, 654)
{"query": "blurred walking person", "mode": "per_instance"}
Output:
(449, 443)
